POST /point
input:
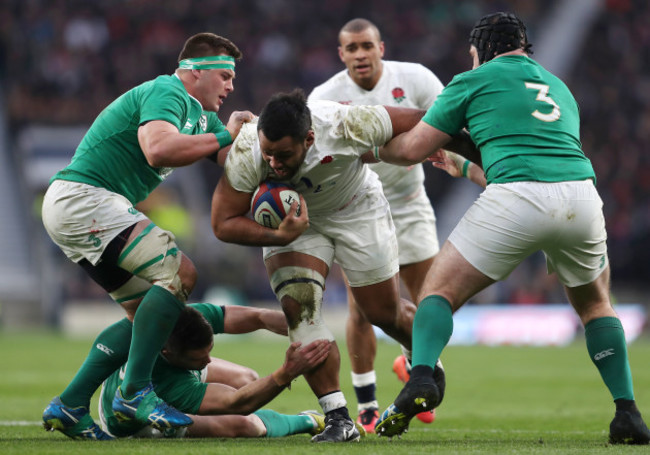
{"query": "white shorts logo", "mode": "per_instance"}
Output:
(603, 354)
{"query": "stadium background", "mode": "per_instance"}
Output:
(62, 61)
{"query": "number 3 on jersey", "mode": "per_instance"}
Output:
(542, 95)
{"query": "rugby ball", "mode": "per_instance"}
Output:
(271, 202)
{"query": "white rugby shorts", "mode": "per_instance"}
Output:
(360, 237)
(415, 224)
(510, 221)
(83, 219)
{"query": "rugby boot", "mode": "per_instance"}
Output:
(338, 429)
(145, 407)
(75, 423)
(628, 427)
(418, 395)
(367, 419)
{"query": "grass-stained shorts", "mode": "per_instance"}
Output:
(360, 237)
(83, 219)
(510, 221)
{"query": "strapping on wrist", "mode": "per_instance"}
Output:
(281, 378)
(465, 171)
(375, 152)
(223, 138)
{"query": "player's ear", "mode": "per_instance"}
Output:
(381, 49)
(341, 54)
(309, 140)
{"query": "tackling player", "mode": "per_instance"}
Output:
(89, 212)
(540, 196)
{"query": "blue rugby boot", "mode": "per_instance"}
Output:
(148, 409)
(75, 423)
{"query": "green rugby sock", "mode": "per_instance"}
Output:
(278, 425)
(153, 323)
(108, 353)
(432, 327)
(607, 348)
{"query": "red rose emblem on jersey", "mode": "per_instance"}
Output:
(398, 94)
(327, 159)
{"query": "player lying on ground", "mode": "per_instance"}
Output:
(188, 378)
(540, 196)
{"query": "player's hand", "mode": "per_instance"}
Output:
(299, 360)
(295, 223)
(236, 120)
(449, 162)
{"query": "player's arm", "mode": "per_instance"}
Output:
(164, 146)
(463, 145)
(240, 319)
(222, 399)
(421, 141)
(413, 146)
(230, 222)
(404, 119)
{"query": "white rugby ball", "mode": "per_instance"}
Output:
(271, 202)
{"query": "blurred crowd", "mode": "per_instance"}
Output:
(62, 61)
(612, 85)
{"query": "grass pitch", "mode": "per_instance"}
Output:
(499, 400)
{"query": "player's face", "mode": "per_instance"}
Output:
(192, 359)
(474, 54)
(286, 155)
(212, 87)
(362, 53)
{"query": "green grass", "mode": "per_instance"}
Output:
(499, 401)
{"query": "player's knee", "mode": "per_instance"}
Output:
(243, 377)
(301, 292)
(187, 273)
(383, 318)
(298, 289)
(154, 256)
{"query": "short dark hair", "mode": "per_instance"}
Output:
(499, 33)
(192, 331)
(357, 26)
(208, 44)
(285, 114)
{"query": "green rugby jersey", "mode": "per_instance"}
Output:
(524, 120)
(178, 387)
(109, 155)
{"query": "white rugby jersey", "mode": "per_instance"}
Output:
(332, 173)
(401, 84)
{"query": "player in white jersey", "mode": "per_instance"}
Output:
(344, 217)
(370, 80)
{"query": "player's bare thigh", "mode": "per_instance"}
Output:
(453, 278)
(413, 276)
(379, 302)
(229, 373)
(295, 259)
